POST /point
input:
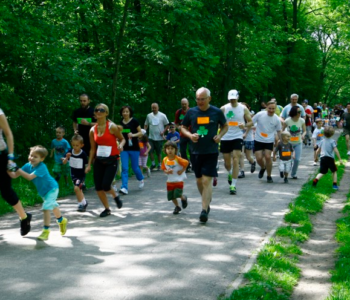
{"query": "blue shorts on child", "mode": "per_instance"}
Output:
(50, 200)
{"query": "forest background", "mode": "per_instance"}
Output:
(138, 52)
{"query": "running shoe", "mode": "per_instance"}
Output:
(82, 207)
(203, 216)
(233, 190)
(261, 173)
(142, 184)
(294, 177)
(124, 191)
(285, 180)
(229, 179)
(105, 213)
(177, 210)
(314, 182)
(215, 181)
(241, 174)
(25, 224)
(252, 167)
(269, 179)
(63, 226)
(118, 202)
(152, 167)
(158, 168)
(335, 187)
(44, 236)
(315, 163)
(184, 202)
(281, 174)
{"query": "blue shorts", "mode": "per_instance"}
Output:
(50, 200)
(249, 145)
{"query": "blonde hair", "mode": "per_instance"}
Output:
(104, 106)
(42, 151)
(285, 133)
(77, 138)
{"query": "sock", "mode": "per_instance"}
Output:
(83, 202)
(59, 220)
(234, 182)
(46, 227)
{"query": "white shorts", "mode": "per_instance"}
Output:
(285, 166)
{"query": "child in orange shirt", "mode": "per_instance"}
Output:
(175, 167)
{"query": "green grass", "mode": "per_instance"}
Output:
(275, 273)
(341, 274)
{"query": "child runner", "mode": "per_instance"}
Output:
(145, 147)
(317, 137)
(36, 171)
(60, 147)
(174, 166)
(173, 135)
(77, 161)
(327, 148)
(286, 153)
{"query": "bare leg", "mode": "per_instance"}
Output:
(235, 163)
(47, 218)
(268, 162)
(176, 203)
(79, 193)
(206, 190)
(20, 210)
(260, 159)
(103, 198)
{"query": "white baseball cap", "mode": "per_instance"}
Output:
(233, 94)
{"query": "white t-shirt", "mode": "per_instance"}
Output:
(266, 127)
(318, 135)
(234, 116)
(156, 124)
(3, 145)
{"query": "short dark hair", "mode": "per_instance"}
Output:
(170, 144)
(294, 111)
(129, 108)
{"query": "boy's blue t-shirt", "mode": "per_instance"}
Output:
(174, 137)
(43, 180)
(61, 148)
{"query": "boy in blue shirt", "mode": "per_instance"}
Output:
(60, 147)
(173, 136)
(36, 171)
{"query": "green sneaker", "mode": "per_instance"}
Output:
(63, 226)
(233, 190)
(44, 236)
(229, 179)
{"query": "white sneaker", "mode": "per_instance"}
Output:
(142, 184)
(148, 172)
(124, 191)
(348, 152)
(315, 163)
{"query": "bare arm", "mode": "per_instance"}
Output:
(118, 134)
(192, 136)
(22, 173)
(4, 125)
(223, 131)
(248, 118)
(338, 155)
(92, 150)
(75, 127)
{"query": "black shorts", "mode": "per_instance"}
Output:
(259, 146)
(78, 182)
(327, 163)
(315, 149)
(204, 164)
(229, 146)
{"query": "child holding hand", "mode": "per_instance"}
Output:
(286, 153)
(175, 167)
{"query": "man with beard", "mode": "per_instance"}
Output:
(83, 119)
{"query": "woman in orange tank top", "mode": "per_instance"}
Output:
(105, 151)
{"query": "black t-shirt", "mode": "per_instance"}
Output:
(84, 130)
(346, 117)
(317, 112)
(77, 164)
(206, 125)
(131, 127)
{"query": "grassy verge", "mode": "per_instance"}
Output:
(341, 274)
(275, 273)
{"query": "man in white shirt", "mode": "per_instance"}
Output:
(267, 124)
(158, 124)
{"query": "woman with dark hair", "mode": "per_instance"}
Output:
(103, 139)
(296, 127)
(131, 132)
(6, 163)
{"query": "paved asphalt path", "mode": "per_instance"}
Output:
(143, 251)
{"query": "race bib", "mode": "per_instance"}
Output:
(233, 123)
(87, 119)
(320, 135)
(265, 135)
(203, 120)
(174, 139)
(141, 145)
(155, 121)
(76, 163)
(286, 153)
(104, 151)
(315, 111)
(294, 139)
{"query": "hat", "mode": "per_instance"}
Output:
(233, 94)
(306, 101)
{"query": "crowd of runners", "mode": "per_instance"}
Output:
(193, 142)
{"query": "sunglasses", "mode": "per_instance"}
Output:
(102, 110)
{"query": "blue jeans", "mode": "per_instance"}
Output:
(134, 157)
(298, 150)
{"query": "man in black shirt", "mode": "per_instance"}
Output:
(83, 119)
